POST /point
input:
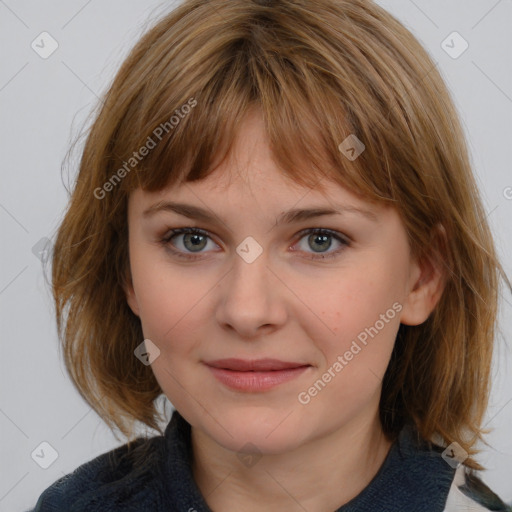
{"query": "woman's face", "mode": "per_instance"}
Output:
(258, 286)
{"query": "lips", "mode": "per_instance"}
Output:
(258, 365)
(255, 376)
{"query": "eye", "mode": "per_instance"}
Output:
(194, 240)
(320, 240)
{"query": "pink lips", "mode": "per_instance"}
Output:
(258, 375)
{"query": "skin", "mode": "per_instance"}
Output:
(284, 305)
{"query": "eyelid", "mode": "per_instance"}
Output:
(332, 232)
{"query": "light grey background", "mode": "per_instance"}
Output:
(44, 104)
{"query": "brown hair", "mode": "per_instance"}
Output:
(318, 71)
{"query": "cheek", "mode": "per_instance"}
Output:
(358, 319)
(356, 354)
(165, 299)
(171, 315)
(354, 299)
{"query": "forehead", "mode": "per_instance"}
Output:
(240, 206)
(265, 192)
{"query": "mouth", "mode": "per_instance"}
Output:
(257, 365)
(256, 375)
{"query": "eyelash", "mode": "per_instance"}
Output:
(165, 241)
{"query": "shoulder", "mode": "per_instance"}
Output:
(418, 475)
(111, 481)
(469, 493)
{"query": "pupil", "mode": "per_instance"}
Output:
(325, 242)
(195, 239)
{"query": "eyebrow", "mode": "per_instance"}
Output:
(289, 217)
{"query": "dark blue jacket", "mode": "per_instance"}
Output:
(154, 474)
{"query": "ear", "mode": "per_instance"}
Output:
(427, 281)
(131, 298)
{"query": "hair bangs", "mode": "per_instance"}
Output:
(310, 122)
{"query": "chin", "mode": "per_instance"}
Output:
(261, 427)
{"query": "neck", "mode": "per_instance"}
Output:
(323, 474)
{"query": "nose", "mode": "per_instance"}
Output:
(252, 299)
